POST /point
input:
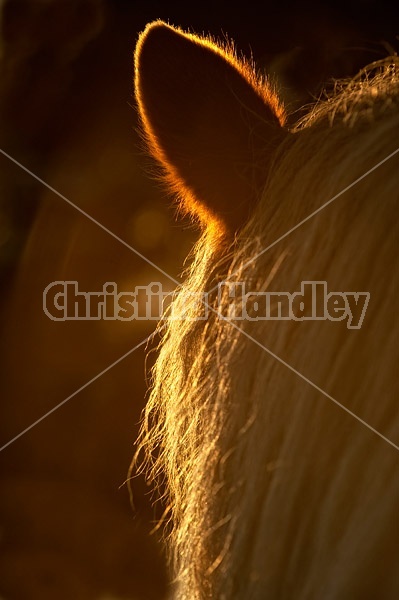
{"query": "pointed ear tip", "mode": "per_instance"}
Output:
(154, 28)
(158, 60)
(153, 39)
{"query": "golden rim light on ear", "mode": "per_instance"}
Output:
(209, 121)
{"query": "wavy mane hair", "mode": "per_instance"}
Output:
(277, 441)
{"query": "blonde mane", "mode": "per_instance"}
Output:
(272, 489)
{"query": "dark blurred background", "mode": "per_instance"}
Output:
(67, 527)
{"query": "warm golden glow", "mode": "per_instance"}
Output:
(271, 487)
(202, 212)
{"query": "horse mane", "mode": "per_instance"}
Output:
(271, 489)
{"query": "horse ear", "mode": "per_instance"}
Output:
(208, 120)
